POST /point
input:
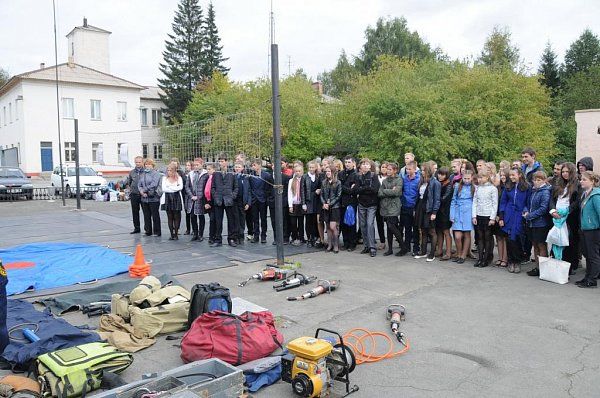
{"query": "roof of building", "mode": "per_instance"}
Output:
(71, 73)
(152, 93)
(91, 28)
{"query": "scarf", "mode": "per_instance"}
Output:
(207, 188)
(297, 190)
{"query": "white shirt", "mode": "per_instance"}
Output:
(170, 187)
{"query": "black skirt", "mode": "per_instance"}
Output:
(538, 234)
(172, 202)
(331, 215)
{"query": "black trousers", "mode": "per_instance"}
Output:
(249, 221)
(312, 233)
(514, 250)
(297, 227)
(220, 211)
(136, 201)
(380, 226)
(173, 220)
(407, 222)
(240, 218)
(393, 229)
(286, 222)
(571, 252)
(591, 252)
(151, 217)
(188, 222)
(197, 224)
(259, 217)
(212, 225)
(485, 243)
(348, 231)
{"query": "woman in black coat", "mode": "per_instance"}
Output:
(311, 204)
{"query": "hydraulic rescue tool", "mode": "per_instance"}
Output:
(268, 274)
(314, 363)
(395, 314)
(294, 280)
(323, 286)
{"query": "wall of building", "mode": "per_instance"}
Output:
(588, 135)
(39, 112)
(89, 48)
(151, 133)
(12, 128)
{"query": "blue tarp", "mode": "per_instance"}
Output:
(52, 265)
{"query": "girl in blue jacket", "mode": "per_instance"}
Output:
(590, 227)
(460, 215)
(537, 217)
(512, 205)
(430, 190)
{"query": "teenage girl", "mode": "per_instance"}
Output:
(460, 215)
(331, 193)
(485, 207)
(171, 201)
(537, 218)
(295, 203)
(590, 227)
(381, 175)
(497, 230)
(430, 191)
(309, 193)
(188, 217)
(512, 205)
(442, 221)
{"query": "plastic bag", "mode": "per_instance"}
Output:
(558, 236)
(99, 197)
(553, 270)
(350, 216)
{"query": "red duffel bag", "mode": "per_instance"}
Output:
(231, 338)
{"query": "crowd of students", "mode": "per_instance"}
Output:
(425, 209)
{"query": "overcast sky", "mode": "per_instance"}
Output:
(310, 33)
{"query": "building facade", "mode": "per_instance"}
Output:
(588, 135)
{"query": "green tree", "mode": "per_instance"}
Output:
(4, 77)
(499, 52)
(391, 37)
(339, 80)
(582, 54)
(213, 50)
(549, 70)
(183, 64)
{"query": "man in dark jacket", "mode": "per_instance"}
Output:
(366, 189)
(348, 178)
(261, 185)
(224, 192)
(134, 194)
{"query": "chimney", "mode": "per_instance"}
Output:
(85, 25)
(42, 65)
(318, 87)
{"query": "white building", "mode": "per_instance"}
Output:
(110, 111)
(588, 135)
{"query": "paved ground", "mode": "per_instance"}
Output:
(474, 332)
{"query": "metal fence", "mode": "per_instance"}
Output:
(48, 193)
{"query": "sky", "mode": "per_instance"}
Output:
(310, 33)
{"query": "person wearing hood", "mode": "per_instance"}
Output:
(530, 165)
(537, 218)
(148, 186)
(590, 227)
(585, 164)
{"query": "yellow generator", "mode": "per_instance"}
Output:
(313, 364)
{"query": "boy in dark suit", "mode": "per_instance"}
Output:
(242, 201)
(261, 185)
(224, 192)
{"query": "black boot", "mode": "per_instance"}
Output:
(194, 238)
(390, 242)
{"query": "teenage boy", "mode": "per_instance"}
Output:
(410, 194)
(530, 165)
(285, 179)
(347, 178)
(367, 189)
(260, 191)
(195, 199)
(224, 192)
(134, 194)
(242, 201)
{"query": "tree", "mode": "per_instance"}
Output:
(4, 77)
(582, 54)
(183, 62)
(549, 70)
(499, 52)
(212, 52)
(391, 37)
(339, 80)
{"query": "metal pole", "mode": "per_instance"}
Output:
(277, 154)
(60, 167)
(78, 188)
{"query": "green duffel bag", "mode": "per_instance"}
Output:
(168, 318)
(73, 372)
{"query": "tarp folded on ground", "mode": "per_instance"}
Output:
(48, 265)
(73, 301)
(54, 334)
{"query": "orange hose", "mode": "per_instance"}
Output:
(361, 349)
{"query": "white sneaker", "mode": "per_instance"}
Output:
(250, 237)
(421, 256)
(430, 259)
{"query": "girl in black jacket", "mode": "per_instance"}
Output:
(331, 193)
(310, 202)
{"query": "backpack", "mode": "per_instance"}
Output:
(206, 298)
(231, 338)
(75, 371)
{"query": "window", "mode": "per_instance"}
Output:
(16, 109)
(119, 152)
(95, 146)
(144, 117)
(122, 111)
(95, 109)
(68, 108)
(69, 151)
(4, 115)
(10, 111)
(144, 151)
(158, 152)
(156, 117)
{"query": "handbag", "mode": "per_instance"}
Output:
(553, 270)
(558, 236)
(231, 338)
(350, 216)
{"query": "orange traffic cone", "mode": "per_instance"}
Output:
(140, 268)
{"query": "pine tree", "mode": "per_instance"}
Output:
(212, 50)
(499, 52)
(183, 60)
(582, 54)
(549, 70)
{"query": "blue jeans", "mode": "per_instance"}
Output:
(366, 220)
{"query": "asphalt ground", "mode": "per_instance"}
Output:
(473, 332)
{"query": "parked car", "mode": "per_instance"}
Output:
(89, 180)
(15, 183)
